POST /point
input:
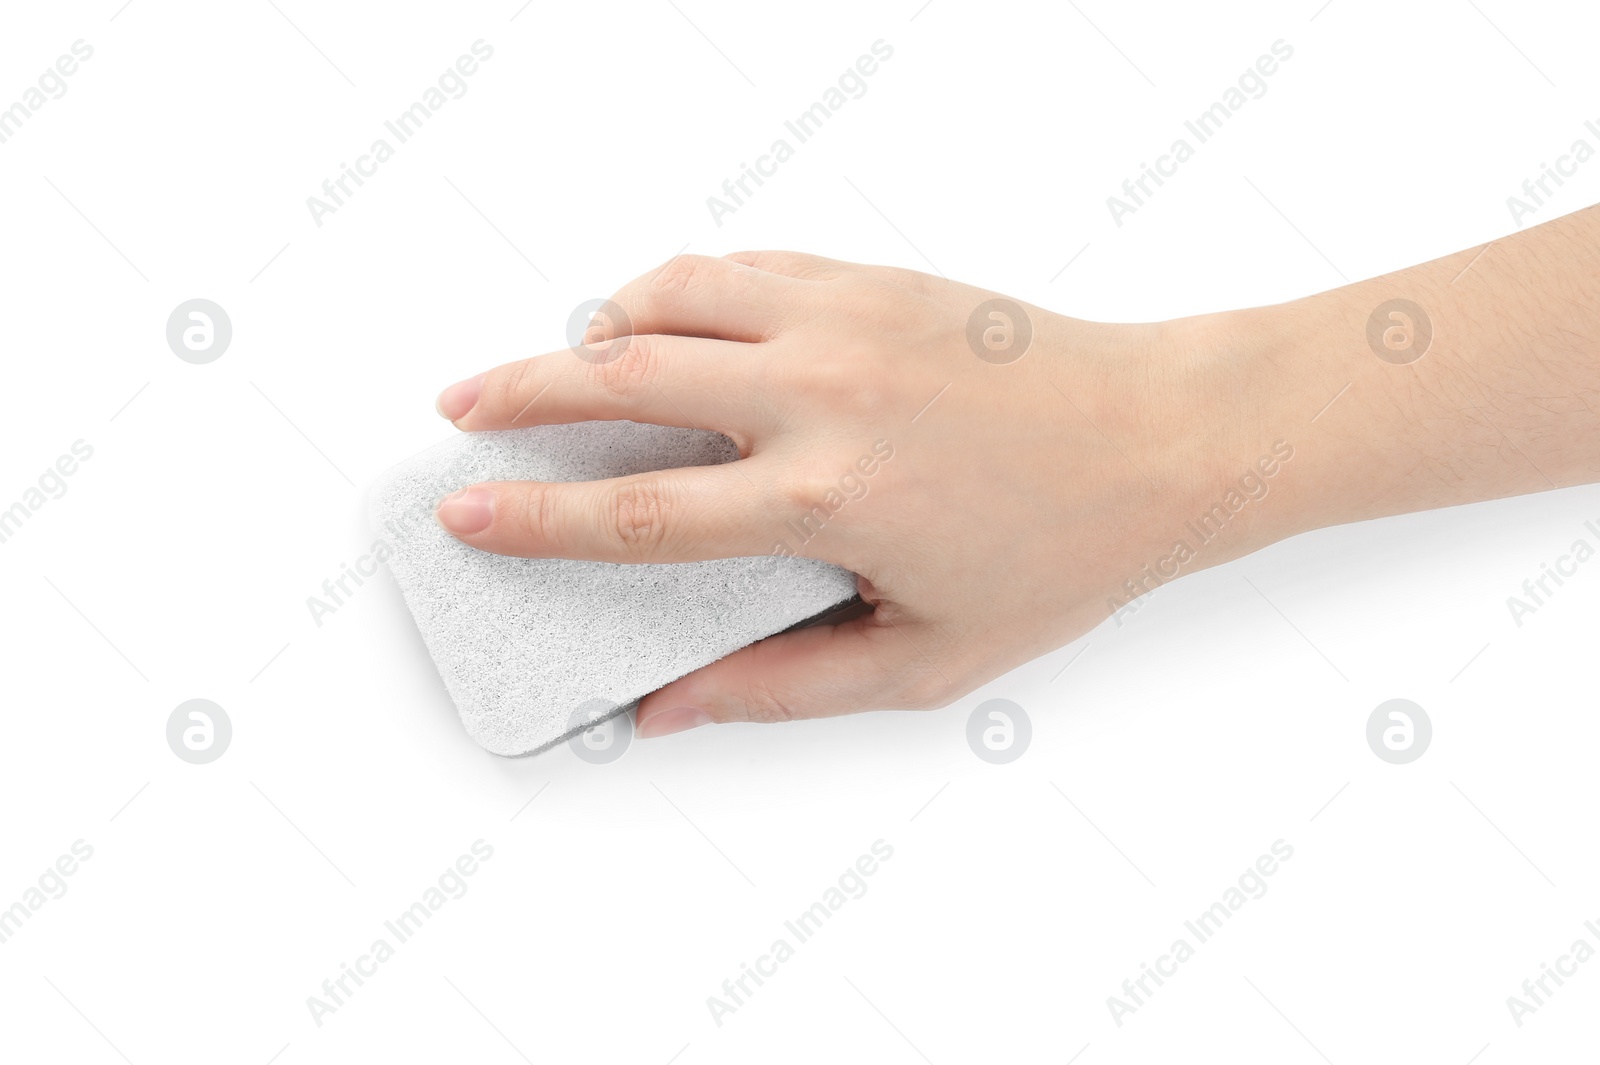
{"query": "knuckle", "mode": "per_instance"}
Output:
(631, 371)
(538, 515)
(860, 381)
(638, 514)
(880, 305)
(906, 280)
(807, 491)
(834, 379)
(926, 691)
(876, 401)
(512, 385)
(765, 706)
(865, 385)
(676, 278)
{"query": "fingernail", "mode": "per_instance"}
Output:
(468, 511)
(673, 719)
(455, 401)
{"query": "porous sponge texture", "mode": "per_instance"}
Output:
(533, 651)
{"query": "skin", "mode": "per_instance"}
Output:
(1026, 501)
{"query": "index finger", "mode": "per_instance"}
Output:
(700, 296)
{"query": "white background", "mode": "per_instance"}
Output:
(1163, 762)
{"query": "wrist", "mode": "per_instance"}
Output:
(1292, 444)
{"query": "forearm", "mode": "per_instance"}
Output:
(1041, 477)
(1505, 400)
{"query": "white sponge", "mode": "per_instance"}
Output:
(534, 651)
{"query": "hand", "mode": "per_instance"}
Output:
(993, 507)
(1001, 485)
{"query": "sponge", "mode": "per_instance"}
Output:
(535, 651)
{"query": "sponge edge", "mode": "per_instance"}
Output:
(534, 651)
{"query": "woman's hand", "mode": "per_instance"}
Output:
(1001, 478)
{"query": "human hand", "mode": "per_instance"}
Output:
(998, 493)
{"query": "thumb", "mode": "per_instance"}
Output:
(822, 671)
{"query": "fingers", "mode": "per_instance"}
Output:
(680, 515)
(821, 671)
(695, 295)
(663, 380)
(671, 348)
